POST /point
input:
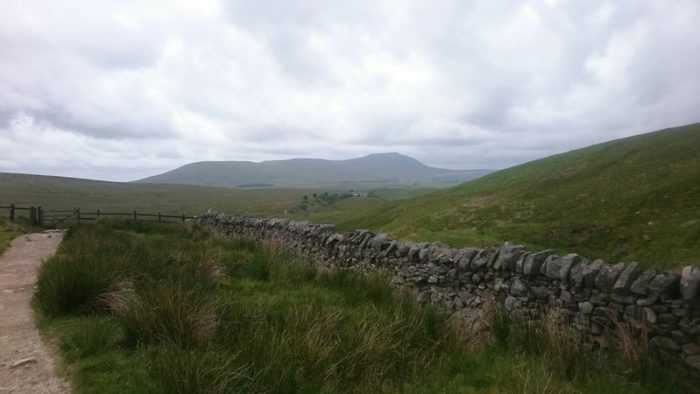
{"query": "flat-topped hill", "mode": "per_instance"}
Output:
(376, 170)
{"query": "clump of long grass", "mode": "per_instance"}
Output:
(166, 312)
(255, 262)
(199, 371)
(91, 336)
(72, 285)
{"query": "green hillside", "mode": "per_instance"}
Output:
(636, 198)
(369, 172)
(61, 193)
(53, 192)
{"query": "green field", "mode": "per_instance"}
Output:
(631, 199)
(88, 195)
(139, 308)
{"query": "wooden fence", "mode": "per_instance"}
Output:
(39, 216)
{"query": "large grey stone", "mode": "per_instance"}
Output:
(334, 238)
(518, 288)
(566, 263)
(552, 266)
(607, 275)
(533, 262)
(507, 256)
(585, 307)
(481, 259)
(378, 241)
(465, 256)
(664, 342)
(589, 271)
(640, 316)
(690, 281)
(641, 285)
(627, 276)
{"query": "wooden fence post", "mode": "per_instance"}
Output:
(77, 214)
(134, 215)
(12, 212)
(32, 216)
(40, 216)
(98, 213)
(159, 218)
(183, 218)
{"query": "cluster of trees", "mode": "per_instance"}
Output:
(322, 199)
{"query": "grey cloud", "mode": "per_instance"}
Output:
(460, 84)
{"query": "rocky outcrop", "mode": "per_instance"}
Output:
(593, 296)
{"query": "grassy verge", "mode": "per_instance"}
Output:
(9, 231)
(143, 308)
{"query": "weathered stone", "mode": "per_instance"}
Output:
(518, 288)
(693, 361)
(335, 238)
(607, 276)
(668, 321)
(541, 293)
(391, 249)
(623, 299)
(664, 284)
(639, 316)
(511, 303)
(378, 241)
(552, 266)
(627, 276)
(481, 259)
(465, 257)
(521, 261)
(679, 337)
(566, 263)
(641, 285)
(585, 307)
(533, 262)
(664, 342)
(691, 349)
(424, 256)
(566, 297)
(690, 281)
(507, 255)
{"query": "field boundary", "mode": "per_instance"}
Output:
(607, 304)
(39, 216)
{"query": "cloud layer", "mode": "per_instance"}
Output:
(124, 89)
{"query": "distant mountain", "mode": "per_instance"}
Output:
(373, 170)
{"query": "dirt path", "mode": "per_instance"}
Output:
(25, 364)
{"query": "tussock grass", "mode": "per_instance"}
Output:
(567, 354)
(91, 337)
(166, 312)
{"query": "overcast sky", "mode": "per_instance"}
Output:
(120, 90)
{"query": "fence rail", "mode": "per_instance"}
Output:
(39, 216)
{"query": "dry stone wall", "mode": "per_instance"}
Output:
(594, 296)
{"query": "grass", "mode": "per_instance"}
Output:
(59, 193)
(629, 199)
(11, 230)
(181, 311)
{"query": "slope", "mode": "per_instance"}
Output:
(636, 198)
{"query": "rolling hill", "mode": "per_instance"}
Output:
(53, 192)
(371, 171)
(636, 198)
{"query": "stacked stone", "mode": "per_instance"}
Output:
(593, 296)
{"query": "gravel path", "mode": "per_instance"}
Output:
(25, 363)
